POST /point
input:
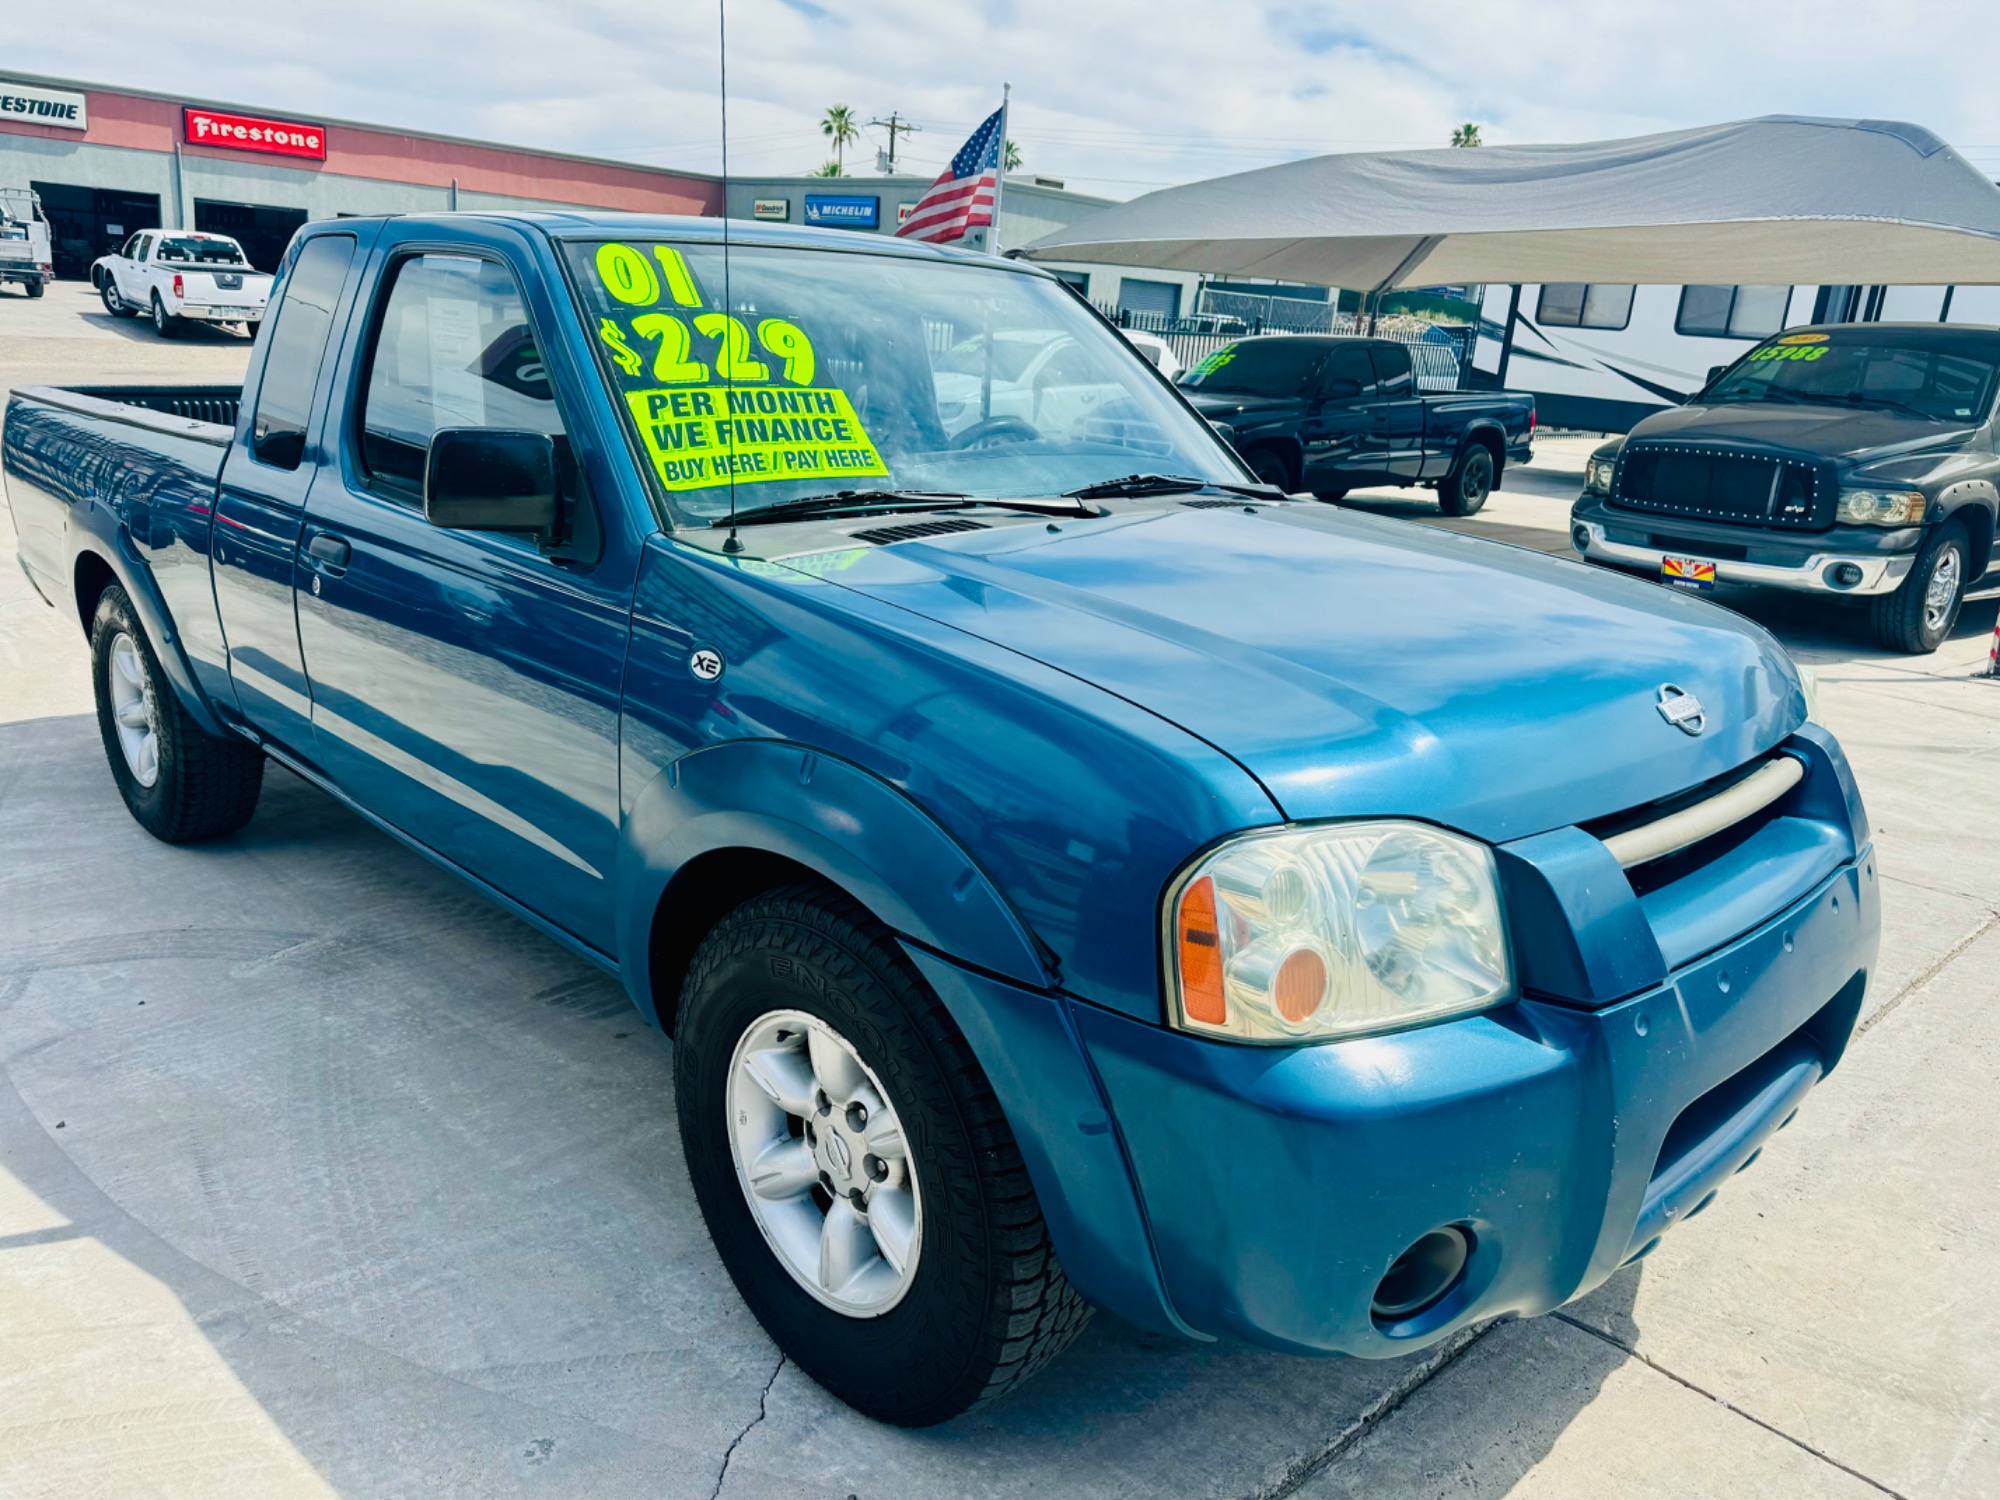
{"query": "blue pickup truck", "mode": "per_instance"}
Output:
(1072, 873)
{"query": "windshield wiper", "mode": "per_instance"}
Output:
(1855, 399)
(844, 502)
(1169, 484)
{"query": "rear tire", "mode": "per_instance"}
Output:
(181, 783)
(1919, 615)
(1331, 497)
(1463, 491)
(165, 324)
(1270, 467)
(34, 289)
(979, 1303)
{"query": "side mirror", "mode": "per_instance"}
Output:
(489, 479)
(1340, 390)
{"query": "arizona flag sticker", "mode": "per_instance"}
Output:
(1688, 572)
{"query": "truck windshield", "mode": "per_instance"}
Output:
(1946, 375)
(1277, 367)
(806, 372)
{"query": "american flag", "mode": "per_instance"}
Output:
(962, 197)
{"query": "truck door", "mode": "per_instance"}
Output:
(262, 496)
(1339, 436)
(128, 272)
(466, 684)
(1399, 411)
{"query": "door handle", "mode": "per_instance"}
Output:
(330, 549)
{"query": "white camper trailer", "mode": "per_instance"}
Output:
(1601, 358)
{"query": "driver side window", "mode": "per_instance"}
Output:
(453, 348)
(1347, 374)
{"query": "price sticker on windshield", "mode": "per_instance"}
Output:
(724, 399)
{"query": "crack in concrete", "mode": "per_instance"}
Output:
(763, 1401)
(1929, 972)
(1731, 1407)
(1296, 1476)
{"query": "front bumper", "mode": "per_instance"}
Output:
(1802, 565)
(1281, 1187)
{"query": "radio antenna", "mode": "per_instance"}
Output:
(733, 543)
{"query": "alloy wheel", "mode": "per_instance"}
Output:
(132, 711)
(1941, 593)
(824, 1164)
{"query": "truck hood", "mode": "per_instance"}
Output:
(1363, 666)
(1223, 407)
(1848, 434)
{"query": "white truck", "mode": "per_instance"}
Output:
(182, 276)
(24, 241)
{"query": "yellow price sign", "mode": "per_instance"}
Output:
(708, 435)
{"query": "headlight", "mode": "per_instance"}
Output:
(1597, 475)
(1881, 507)
(1306, 934)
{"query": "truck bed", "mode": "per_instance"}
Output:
(136, 465)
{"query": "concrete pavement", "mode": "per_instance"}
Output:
(319, 1176)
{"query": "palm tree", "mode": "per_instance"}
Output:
(840, 127)
(1466, 135)
(825, 169)
(1012, 162)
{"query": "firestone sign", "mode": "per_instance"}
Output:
(214, 127)
(37, 106)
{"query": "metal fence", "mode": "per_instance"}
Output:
(1440, 353)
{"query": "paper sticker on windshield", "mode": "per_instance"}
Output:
(1213, 363)
(706, 435)
(1803, 338)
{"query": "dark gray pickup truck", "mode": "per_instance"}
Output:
(1328, 414)
(1852, 459)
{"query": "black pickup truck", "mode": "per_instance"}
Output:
(1328, 414)
(1854, 459)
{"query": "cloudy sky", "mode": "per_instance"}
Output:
(1115, 96)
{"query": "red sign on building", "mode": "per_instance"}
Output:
(214, 127)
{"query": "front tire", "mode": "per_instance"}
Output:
(181, 783)
(1463, 491)
(165, 324)
(885, 1234)
(1919, 615)
(107, 291)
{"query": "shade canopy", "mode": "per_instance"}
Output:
(1782, 200)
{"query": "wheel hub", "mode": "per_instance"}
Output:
(823, 1163)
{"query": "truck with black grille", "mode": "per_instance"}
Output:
(1847, 460)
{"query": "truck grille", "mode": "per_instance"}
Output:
(1716, 484)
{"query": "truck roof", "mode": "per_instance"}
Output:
(593, 224)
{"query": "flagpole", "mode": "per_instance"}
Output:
(999, 177)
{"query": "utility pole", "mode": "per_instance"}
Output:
(895, 124)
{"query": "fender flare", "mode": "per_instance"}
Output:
(1974, 495)
(830, 816)
(97, 530)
